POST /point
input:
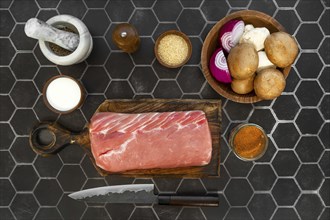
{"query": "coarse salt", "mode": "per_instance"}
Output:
(173, 49)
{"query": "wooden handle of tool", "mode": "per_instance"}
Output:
(188, 200)
(60, 138)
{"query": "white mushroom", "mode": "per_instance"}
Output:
(264, 62)
(255, 36)
(248, 27)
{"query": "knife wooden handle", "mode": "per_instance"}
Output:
(188, 200)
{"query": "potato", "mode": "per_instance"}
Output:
(243, 86)
(281, 49)
(243, 61)
(269, 84)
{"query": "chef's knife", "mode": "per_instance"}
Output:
(140, 193)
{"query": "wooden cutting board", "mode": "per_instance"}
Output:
(62, 137)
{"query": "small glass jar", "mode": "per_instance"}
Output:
(248, 141)
(126, 37)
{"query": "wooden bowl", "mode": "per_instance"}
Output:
(175, 32)
(257, 19)
(44, 91)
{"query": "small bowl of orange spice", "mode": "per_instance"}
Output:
(173, 49)
(248, 141)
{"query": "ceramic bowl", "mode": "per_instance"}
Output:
(85, 41)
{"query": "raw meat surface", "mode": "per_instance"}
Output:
(122, 142)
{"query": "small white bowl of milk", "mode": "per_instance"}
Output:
(63, 94)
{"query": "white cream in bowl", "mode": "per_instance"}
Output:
(63, 94)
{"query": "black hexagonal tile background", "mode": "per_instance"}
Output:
(23, 10)
(309, 121)
(288, 18)
(47, 13)
(119, 11)
(144, 20)
(238, 192)
(139, 82)
(167, 11)
(324, 52)
(21, 97)
(282, 109)
(212, 12)
(6, 23)
(313, 41)
(24, 206)
(323, 21)
(7, 135)
(309, 183)
(286, 135)
(22, 44)
(19, 180)
(306, 202)
(309, 149)
(264, 118)
(324, 135)
(309, 99)
(7, 80)
(44, 213)
(99, 53)
(7, 108)
(237, 167)
(309, 65)
(7, 192)
(7, 46)
(237, 213)
(191, 21)
(291, 181)
(282, 213)
(309, 10)
(285, 163)
(262, 177)
(76, 8)
(285, 192)
(21, 150)
(265, 6)
(144, 55)
(97, 16)
(119, 65)
(324, 192)
(262, 206)
(95, 80)
(325, 214)
(24, 66)
(324, 163)
(43, 188)
(71, 209)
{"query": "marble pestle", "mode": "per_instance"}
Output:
(40, 30)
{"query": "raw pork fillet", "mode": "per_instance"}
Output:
(122, 142)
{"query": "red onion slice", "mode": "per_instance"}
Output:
(230, 34)
(219, 68)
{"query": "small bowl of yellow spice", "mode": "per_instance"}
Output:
(173, 49)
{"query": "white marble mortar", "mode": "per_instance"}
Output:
(85, 41)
